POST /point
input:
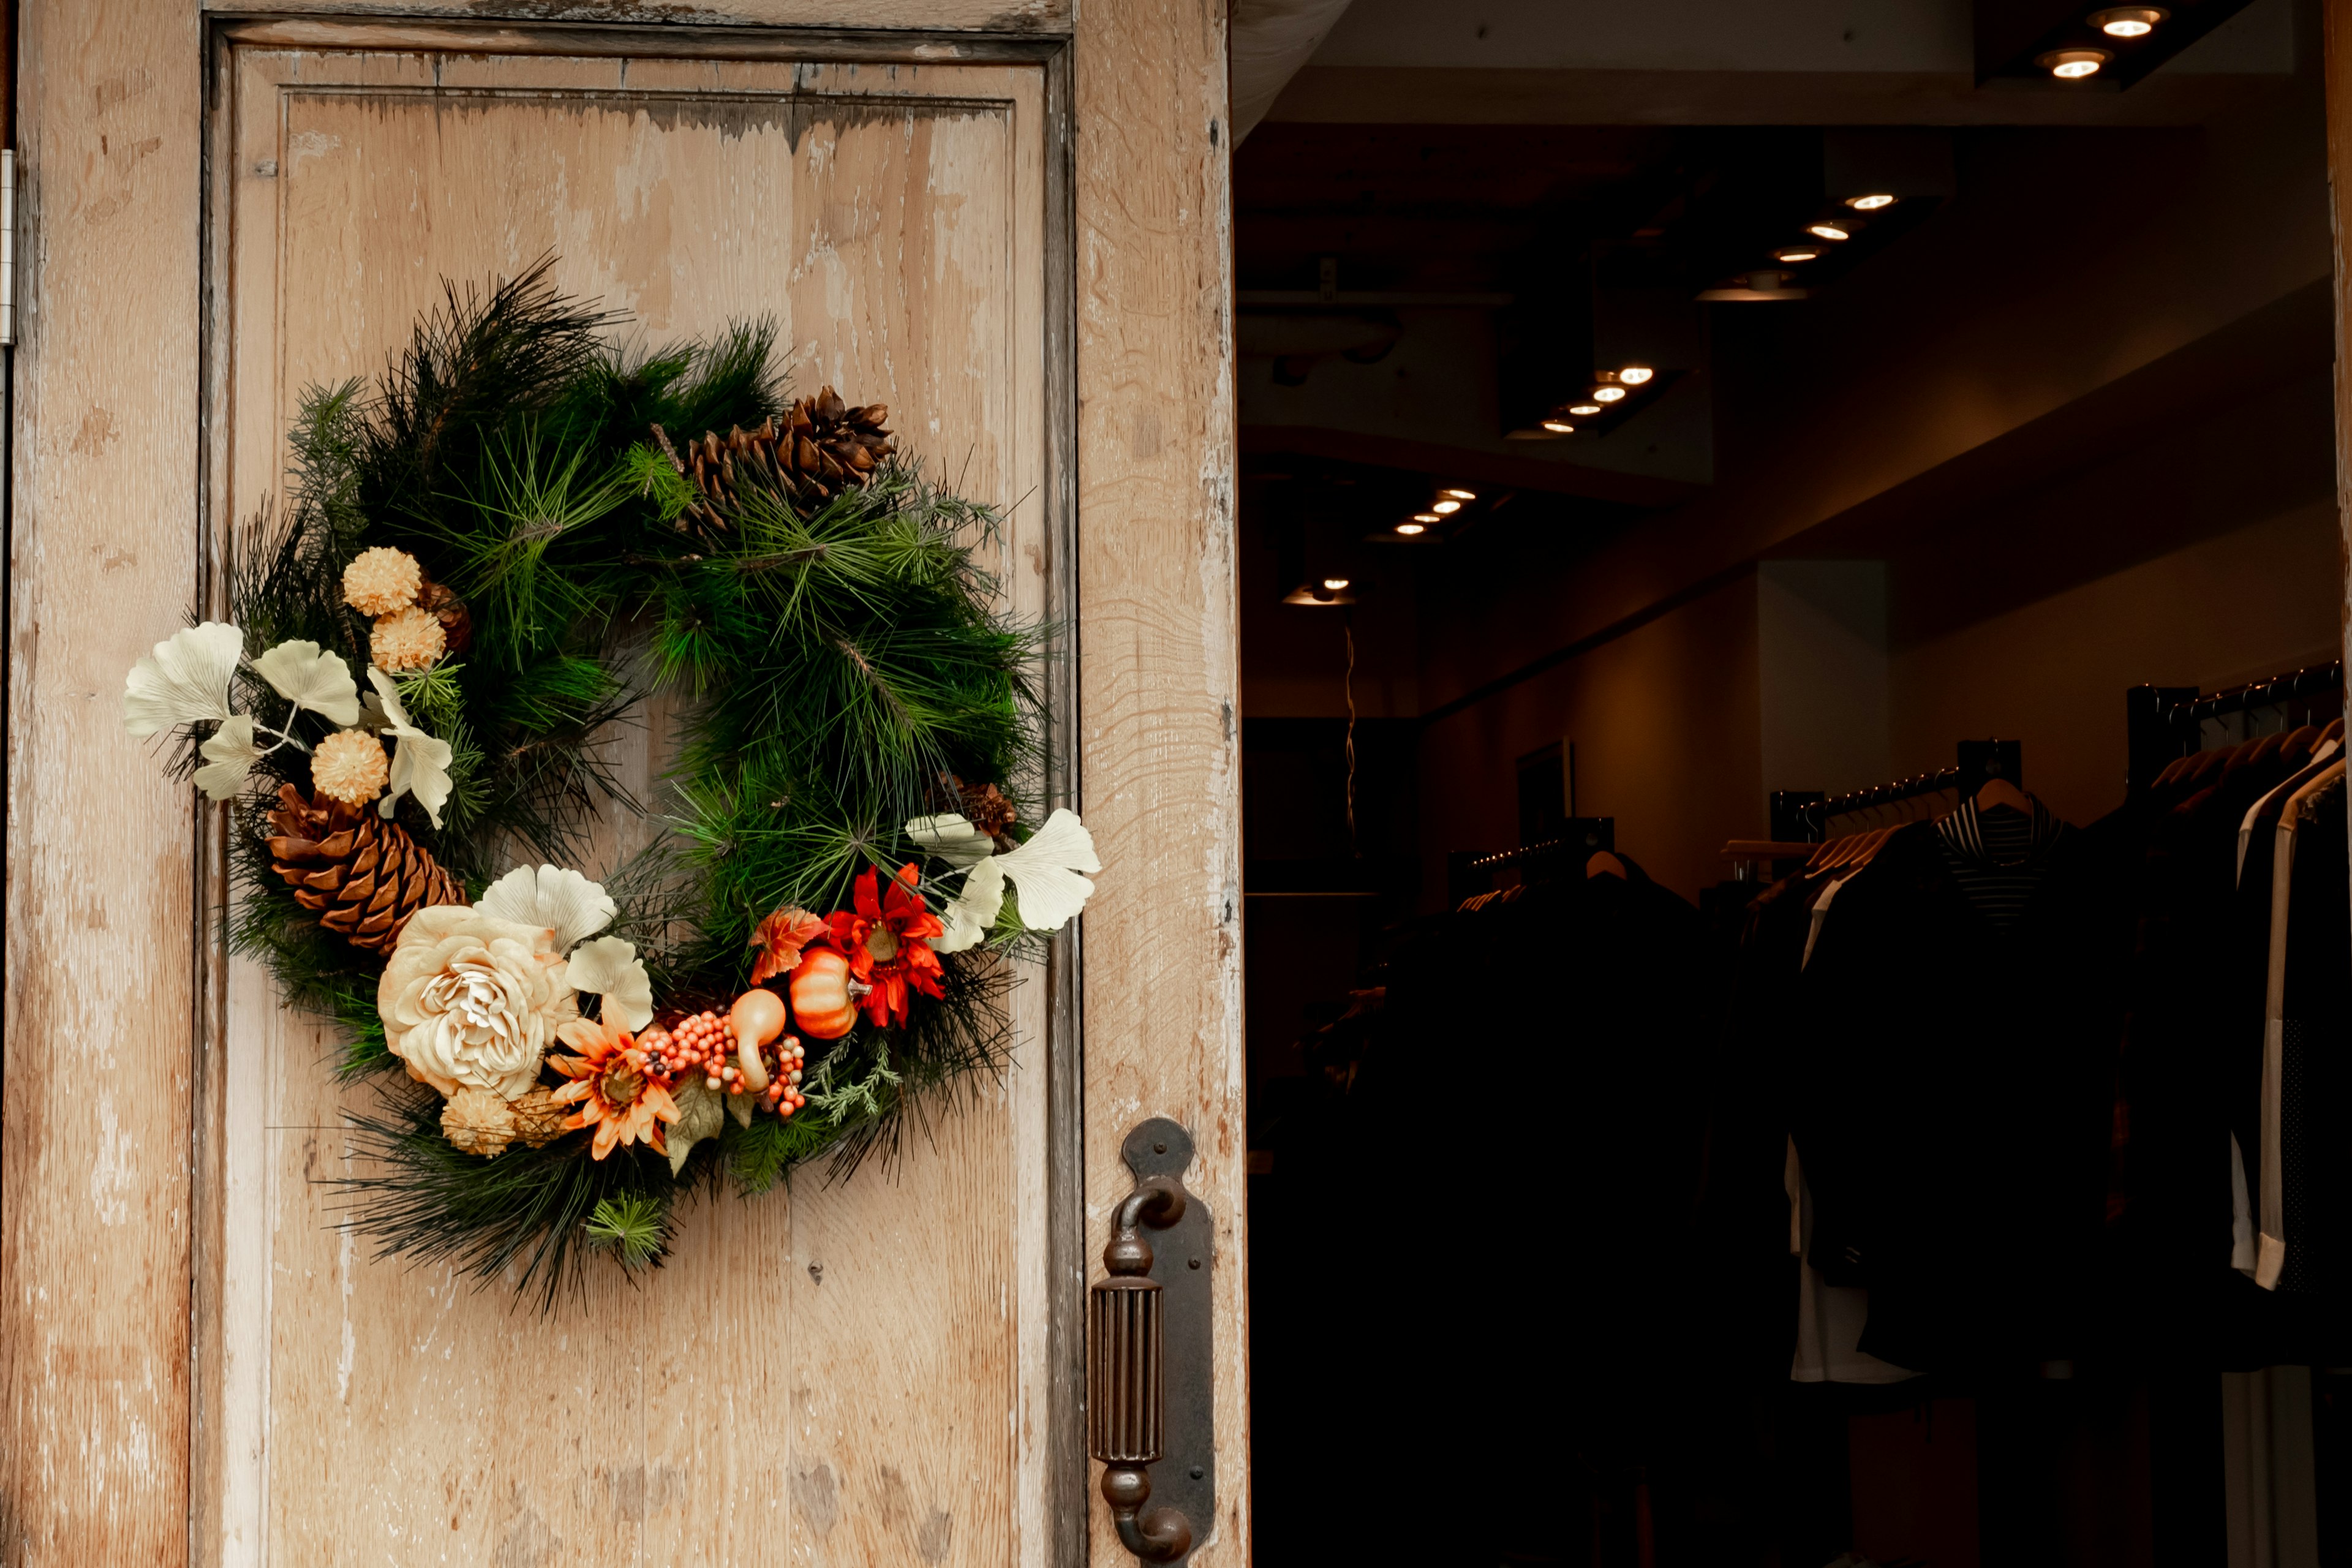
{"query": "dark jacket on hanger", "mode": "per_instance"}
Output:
(1951, 1085)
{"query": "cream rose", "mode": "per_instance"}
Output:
(472, 1002)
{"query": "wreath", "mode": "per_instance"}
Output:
(515, 539)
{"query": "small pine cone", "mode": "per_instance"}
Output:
(477, 1121)
(822, 446)
(988, 809)
(382, 582)
(412, 639)
(362, 872)
(444, 606)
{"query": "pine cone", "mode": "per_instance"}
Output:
(362, 873)
(457, 621)
(987, 809)
(822, 448)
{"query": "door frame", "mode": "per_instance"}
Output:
(109, 1250)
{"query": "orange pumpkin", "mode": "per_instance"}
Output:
(821, 998)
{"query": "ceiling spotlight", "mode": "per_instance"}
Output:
(1830, 230)
(2069, 65)
(1335, 583)
(1410, 528)
(1462, 495)
(1607, 394)
(1869, 204)
(1443, 508)
(1425, 517)
(1585, 410)
(2127, 21)
(1635, 374)
(1562, 426)
(1797, 253)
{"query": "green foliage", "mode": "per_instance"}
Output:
(831, 670)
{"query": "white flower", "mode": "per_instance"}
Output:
(952, 838)
(1044, 871)
(185, 680)
(1044, 875)
(420, 764)
(974, 910)
(561, 899)
(611, 969)
(472, 1002)
(230, 757)
(308, 678)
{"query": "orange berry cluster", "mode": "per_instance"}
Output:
(783, 1094)
(704, 1046)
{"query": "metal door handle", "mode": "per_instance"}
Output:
(1129, 1352)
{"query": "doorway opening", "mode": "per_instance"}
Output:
(1784, 552)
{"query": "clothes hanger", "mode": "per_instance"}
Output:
(2001, 792)
(1604, 864)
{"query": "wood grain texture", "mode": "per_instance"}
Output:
(2338, 22)
(1045, 16)
(94, 1245)
(847, 1375)
(1159, 672)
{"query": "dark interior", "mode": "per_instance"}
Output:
(2035, 446)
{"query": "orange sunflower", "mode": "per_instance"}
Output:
(887, 939)
(610, 1084)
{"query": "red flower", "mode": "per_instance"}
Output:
(888, 942)
(779, 939)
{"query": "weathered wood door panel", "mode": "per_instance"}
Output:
(848, 1375)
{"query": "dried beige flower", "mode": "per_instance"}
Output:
(478, 1122)
(382, 582)
(471, 1001)
(408, 639)
(349, 766)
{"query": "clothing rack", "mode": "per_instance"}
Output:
(1582, 837)
(1800, 817)
(2166, 722)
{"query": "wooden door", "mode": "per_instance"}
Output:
(199, 1367)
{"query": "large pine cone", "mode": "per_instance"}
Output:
(362, 873)
(822, 448)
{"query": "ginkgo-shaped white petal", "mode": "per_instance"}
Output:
(611, 969)
(185, 680)
(1044, 871)
(972, 912)
(228, 758)
(309, 677)
(420, 764)
(556, 897)
(951, 838)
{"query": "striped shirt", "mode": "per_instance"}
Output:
(1999, 856)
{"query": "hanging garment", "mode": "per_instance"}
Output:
(2303, 1026)
(1952, 1083)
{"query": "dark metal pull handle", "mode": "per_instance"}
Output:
(1127, 1349)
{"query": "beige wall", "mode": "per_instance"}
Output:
(2053, 673)
(1664, 722)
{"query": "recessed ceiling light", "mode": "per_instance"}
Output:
(1425, 517)
(1870, 204)
(2069, 65)
(1562, 426)
(1635, 374)
(1462, 495)
(1607, 394)
(2128, 21)
(1335, 583)
(1410, 528)
(1585, 410)
(1443, 506)
(1829, 231)
(1797, 253)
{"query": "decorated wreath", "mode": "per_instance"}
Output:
(487, 564)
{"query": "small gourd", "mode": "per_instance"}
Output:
(756, 1017)
(822, 998)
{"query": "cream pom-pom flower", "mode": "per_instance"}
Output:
(381, 581)
(407, 640)
(471, 1001)
(349, 766)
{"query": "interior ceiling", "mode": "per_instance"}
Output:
(1533, 225)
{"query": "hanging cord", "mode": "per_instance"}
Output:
(1347, 688)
